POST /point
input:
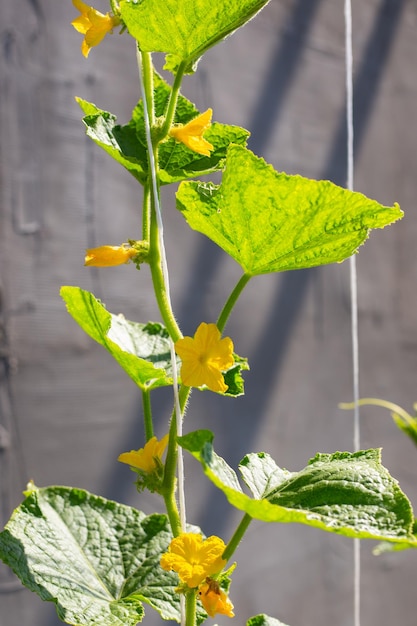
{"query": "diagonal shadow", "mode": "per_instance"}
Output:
(281, 74)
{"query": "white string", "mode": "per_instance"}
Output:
(164, 266)
(353, 289)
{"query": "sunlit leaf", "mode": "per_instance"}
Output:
(346, 493)
(142, 350)
(271, 222)
(187, 33)
(127, 144)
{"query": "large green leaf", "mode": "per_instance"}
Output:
(127, 144)
(270, 222)
(188, 28)
(347, 493)
(97, 560)
(142, 350)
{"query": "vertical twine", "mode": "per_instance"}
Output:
(353, 286)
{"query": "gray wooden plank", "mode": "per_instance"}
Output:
(59, 194)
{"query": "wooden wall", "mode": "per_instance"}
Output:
(67, 411)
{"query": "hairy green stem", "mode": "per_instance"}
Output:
(156, 253)
(115, 7)
(146, 213)
(147, 76)
(190, 608)
(237, 537)
(160, 277)
(169, 480)
(173, 99)
(170, 470)
(147, 414)
(158, 280)
(231, 301)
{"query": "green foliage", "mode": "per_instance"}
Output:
(185, 33)
(386, 546)
(271, 222)
(127, 144)
(407, 423)
(264, 620)
(97, 560)
(346, 493)
(142, 350)
(233, 377)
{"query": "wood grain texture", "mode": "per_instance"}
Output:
(282, 77)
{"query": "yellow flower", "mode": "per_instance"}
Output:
(205, 357)
(214, 599)
(147, 458)
(191, 134)
(194, 558)
(93, 24)
(107, 256)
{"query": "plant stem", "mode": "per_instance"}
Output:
(146, 213)
(168, 483)
(115, 7)
(162, 297)
(147, 414)
(173, 99)
(395, 408)
(231, 301)
(237, 537)
(147, 76)
(190, 608)
(160, 277)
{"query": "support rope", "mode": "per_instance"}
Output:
(353, 287)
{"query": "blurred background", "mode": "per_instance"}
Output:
(67, 410)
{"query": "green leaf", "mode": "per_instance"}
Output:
(261, 474)
(407, 423)
(120, 142)
(346, 493)
(233, 377)
(264, 620)
(142, 350)
(385, 546)
(127, 144)
(97, 560)
(187, 29)
(271, 222)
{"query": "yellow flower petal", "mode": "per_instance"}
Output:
(194, 558)
(205, 357)
(146, 458)
(214, 599)
(191, 134)
(93, 24)
(107, 256)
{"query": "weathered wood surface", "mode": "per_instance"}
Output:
(283, 78)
